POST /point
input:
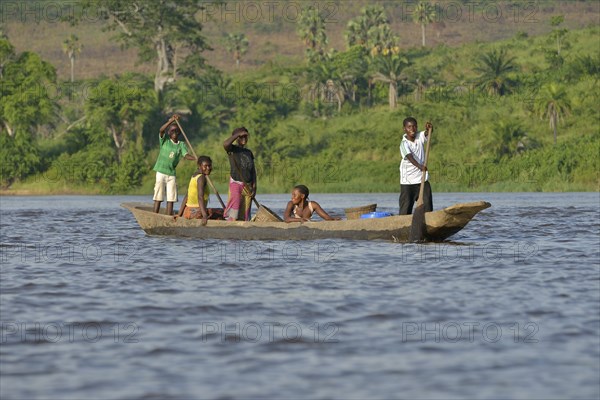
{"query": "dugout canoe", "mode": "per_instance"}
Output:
(441, 224)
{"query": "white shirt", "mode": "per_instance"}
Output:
(409, 174)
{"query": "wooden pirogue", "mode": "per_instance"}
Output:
(441, 224)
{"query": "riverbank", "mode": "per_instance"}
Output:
(438, 188)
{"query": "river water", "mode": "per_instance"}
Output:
(91, 307)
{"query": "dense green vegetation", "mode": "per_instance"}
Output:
(514, 115)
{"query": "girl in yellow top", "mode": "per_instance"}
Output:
(195, 202)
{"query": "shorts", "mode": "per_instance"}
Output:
(165, 182)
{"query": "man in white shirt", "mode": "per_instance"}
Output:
(412, 168)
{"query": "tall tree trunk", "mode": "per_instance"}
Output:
(423, 34)
(119, 143)
(175, 63)
(72, 68)
(162, 66)
(393, 94)
(554, 123)
(9, 130)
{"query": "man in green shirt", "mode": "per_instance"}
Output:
(171, 151)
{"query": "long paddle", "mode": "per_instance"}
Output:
(418, 228)
(194, 153)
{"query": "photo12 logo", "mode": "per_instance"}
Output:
(63, 252)
(269, 332)
(518, 251)
(59, 332)
(71, 91)
(288, 251)
(469, 331)
(266, 11)
(48, 11)
(471, 11)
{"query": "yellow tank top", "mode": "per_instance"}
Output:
(192, 194)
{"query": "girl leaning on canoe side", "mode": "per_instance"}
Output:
(300, 209)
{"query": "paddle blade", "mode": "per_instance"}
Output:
(418, 230)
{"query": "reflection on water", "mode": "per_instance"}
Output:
(509, 308)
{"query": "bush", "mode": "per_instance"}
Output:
(129, 172)
(20, 157)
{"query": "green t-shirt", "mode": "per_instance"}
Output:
(169, 156)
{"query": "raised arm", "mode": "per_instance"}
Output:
(229, 141)
(161, 132)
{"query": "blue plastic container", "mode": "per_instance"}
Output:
(376, 214)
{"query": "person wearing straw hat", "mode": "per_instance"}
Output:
(195, 202)
(171, 151)
(242, 181)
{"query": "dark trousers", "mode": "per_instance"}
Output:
(409, 194)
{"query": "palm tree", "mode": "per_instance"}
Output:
(356, 32)
(508, 137)
(237, 44)
(424, 15)
(382, 40)
(311, 29)
(374, 18)
(72, 47)
(495, 68)
(372, 31)
(553, 103)
(329, 83)
(388, 70)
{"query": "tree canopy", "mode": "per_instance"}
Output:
(25, 102)
(495, 68)
(163, 31)
(311, 29)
